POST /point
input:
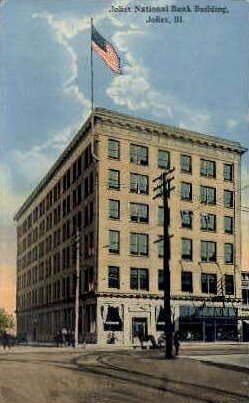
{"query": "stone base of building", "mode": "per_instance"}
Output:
(125, 321)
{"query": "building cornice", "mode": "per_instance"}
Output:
(171, 131)
(123, 120)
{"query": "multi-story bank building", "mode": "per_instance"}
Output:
(110, 200)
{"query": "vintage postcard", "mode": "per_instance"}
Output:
(124, 174)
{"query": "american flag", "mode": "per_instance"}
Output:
(106, 51)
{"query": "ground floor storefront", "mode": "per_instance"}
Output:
(124, 320)
(209, 323)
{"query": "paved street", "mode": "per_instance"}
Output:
(38, 374)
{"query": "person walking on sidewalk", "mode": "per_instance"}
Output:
(176, 342)
(6, 340)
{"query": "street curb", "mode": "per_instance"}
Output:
(233, 367)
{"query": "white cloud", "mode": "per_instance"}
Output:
(36, 161)
(231, 123)
(64, 30)
(134, 91)
(196, 120)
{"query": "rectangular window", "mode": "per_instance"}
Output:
(208, 251)
(187, 219)
(114, 241)
(229, 284)
(139, 244)
(208, 222)
(160, 281)
(114, 209)
(228, 253)
(160, 216)
(186, 191)
(187, 281)
(207, 195)
(139, 212)
(228, 172)
(187, 252)
(113, 179)
(87, 157)
(160, 244)
(208, 168)
(186, 164)
(90, 213)
(113, 277)
(138, 154)
(86, 187)
(228, 225)
(163, 159)
(228, 198)
(79, 194)
(139, 183)
(208, 283)
(245, 296)
(86, 216)
(113, 149)
(91, 183)
(139, 279)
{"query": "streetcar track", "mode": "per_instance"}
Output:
(146, 380)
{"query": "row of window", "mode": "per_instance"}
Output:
(71, 175)
(140, 184)
(139, 246)
(139, 212)
(140, 155)
(63, 233)
(139, 280)
(68, 258)
(63, 289)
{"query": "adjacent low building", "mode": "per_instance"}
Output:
(245, 304)
(110, 200)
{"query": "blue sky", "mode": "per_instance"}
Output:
(193, 75)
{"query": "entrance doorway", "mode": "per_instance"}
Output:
(139, 327)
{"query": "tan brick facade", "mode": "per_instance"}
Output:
(119, 270)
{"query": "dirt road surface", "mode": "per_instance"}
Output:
(41, 375)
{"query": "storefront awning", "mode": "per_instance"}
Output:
(161, 317)
(113, 317)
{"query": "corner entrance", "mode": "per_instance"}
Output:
(139, 327)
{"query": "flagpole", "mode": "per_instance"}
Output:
(92, 100)
(95, 167)
(91, 66)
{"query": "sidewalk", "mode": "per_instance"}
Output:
(229, 361)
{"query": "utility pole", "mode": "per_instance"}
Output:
(168, 327)
(77, 290)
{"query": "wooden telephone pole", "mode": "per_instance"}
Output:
(165, 190)
(77, 290)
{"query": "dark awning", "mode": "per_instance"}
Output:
(161, 317)
(113, 317)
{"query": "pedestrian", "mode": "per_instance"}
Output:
(72, 339)
(6, 341)
(64, 335)
(176, 342)
(57, 339)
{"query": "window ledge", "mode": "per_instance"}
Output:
(187, 200)
(186, 172)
